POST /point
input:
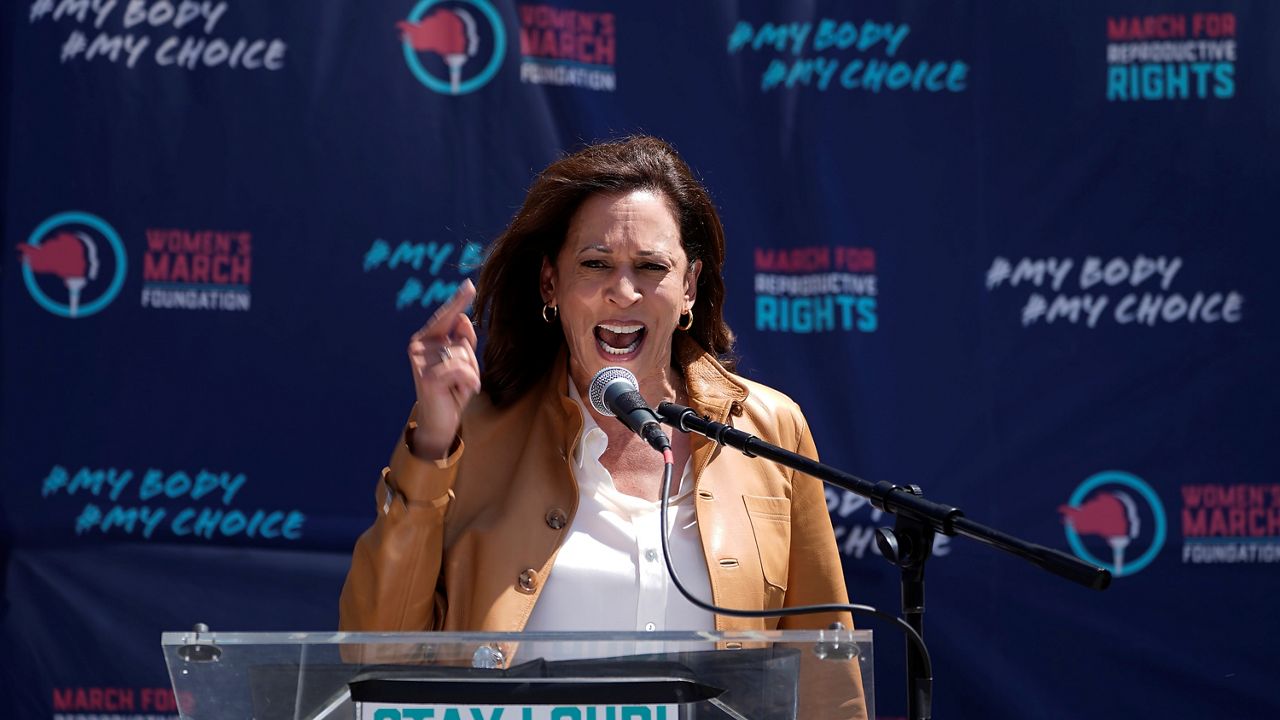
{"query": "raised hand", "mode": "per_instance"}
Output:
(446, 374)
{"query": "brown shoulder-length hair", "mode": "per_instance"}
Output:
(519, 346)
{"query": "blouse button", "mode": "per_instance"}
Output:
(528, 580)
(556, 518)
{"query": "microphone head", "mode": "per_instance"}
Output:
(603, 380)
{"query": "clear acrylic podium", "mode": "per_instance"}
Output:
(775, 675)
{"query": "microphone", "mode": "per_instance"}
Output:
(614, 392)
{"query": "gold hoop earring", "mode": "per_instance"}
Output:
(549, 313)
(684, 324)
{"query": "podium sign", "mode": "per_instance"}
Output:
(779, 675)
(375, 711)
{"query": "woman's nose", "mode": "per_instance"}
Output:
(622, 289)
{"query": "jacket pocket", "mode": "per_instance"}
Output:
(771, 524)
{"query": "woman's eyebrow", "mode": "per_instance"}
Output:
(609, 251)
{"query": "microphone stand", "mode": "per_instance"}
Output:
(909, 544)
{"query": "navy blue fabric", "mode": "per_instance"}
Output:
(1017, 254)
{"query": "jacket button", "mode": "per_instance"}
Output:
(528, 580)
(556, 518)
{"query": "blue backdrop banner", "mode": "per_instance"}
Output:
(1015, 253)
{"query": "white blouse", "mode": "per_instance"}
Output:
(609, 574)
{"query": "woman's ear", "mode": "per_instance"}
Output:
(547, 282)
(691, 284)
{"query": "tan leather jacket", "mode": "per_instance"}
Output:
(467, 543)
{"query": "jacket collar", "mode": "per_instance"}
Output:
(555, 401)
(713, 390)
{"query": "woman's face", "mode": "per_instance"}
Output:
(621, 282)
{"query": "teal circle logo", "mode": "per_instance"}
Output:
(1105, 506)
(70, 247)
(453, 33)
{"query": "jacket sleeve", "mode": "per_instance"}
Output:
(393, 584)
(814, 573)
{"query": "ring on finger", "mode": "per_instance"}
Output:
(445, 353)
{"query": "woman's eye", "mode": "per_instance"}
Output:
(657, 267)
(594, 264)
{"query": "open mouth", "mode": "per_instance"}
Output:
(619, 339)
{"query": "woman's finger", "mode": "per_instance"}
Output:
(464, 331)
(443, 319)
(460, 377)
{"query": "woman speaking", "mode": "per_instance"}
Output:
(510, 504)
